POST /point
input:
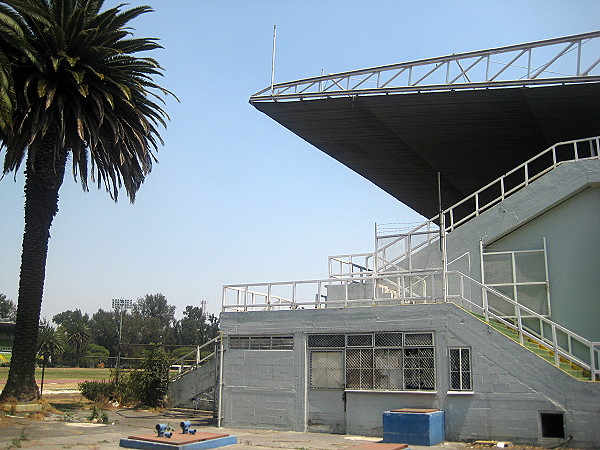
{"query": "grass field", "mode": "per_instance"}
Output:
(54, 373)
(63, 378)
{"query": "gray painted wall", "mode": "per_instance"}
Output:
(572, 232)
(267, 389)
(564, 207)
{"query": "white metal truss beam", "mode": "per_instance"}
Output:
(570, 59)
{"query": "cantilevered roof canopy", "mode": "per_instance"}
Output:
(471, 123)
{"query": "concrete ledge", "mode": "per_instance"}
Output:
(26, 407)
(211, 443)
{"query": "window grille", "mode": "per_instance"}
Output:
(326, 340)
(360, 340)
(327, 369)
(388, 339)
(376, 361)
(261, 342)
(460, 369)
(417, 339)
(388, 373)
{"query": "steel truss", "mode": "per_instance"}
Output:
(570, 59)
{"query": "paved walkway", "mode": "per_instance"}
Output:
(52, 433)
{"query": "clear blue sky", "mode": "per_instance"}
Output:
(236, 197)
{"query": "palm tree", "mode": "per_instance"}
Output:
(80, 91)
(12, 44)
(79, 334)
(50, 341)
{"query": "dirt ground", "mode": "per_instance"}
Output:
(66, 425)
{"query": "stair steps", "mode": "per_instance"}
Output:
(543, 352)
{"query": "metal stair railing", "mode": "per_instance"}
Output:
(480, 201)
(561, 341)
(521, 176)
(341, 266)
(195, 357)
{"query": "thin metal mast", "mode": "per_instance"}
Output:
(273, 59)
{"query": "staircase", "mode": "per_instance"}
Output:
(198, 378)
(542, 351)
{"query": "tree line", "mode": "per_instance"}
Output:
(76, 338)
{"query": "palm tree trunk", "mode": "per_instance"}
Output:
(43, 178)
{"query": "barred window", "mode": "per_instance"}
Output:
(460, 369)
(261, 342)
(377, 361)
(326, 340)
(327, 369)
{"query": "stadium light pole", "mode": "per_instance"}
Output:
(120, 304)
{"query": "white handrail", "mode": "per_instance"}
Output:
(188, 356)
(575, 154)
(419, 287)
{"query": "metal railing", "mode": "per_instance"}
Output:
(357, 265)
(417, 288)
(519, 177)
(569, 59)
(494, 305)
(397, 254)
(423, 287)
(193, 359)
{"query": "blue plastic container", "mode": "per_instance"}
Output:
(413, 428)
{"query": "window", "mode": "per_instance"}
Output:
(327, 369)
(460, 369)
(374, 361)
(261, 342)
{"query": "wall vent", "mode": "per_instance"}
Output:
(553, 425)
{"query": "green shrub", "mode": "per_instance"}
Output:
(98, 415)
(98, 391)
(149, 385)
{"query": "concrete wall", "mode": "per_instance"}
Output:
(268, 389)
(263, 388)
(564, 207)
(572, 232)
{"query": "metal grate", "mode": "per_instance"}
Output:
(239, 342)
(374, 361)
(419, 369)
(326, 340)
(388, 369)
(417, 339)
(359, 368)
(327, 369)
(388, 340)
(261, 342)
(359, 340)
(460, 369)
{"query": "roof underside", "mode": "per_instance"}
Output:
(400, 141)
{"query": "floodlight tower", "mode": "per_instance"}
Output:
(120, 305)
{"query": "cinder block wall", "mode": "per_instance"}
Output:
(511, 385)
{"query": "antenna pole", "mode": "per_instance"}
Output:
(273, 59)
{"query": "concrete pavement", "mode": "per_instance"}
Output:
(54, 433)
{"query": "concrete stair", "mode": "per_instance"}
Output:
(190, 385)
(543, 352)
